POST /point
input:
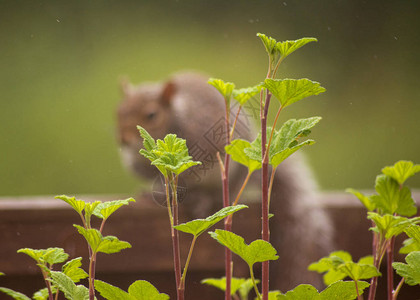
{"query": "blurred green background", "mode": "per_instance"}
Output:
(61, 61)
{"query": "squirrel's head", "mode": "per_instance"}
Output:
(147, 105)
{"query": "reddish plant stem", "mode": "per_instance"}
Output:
(374, 280)
(390, 271)
(264, 194)
(92, 276)
(226, 202)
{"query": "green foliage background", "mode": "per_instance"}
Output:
(60, 64)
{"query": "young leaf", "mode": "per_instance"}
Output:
(110, 292)
(241, 285)
(366, 201)
(409, 245)
(236, 152)
(269, 43)
(98, 243)
(15, 295)
(287, 47)
(391, 199)
(289, 91)
(171, 155)
(144, 290)
(413, 231)
(224, 88)
(198, 226)
(89, 209)
(42, 256)
(401, 171)
(148, 142)
(78, 205)
(105, 209)
(343, 290)
(243, 95)
(285, 141)
(329, 265)
(303, 291)
(72, 269)
(257, 251)
(68, 287)
(411, 270)
(42, 294)
(55, 256)
(139, 290)
(340, 290)
(389, 225)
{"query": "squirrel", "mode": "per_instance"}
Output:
(194, 110)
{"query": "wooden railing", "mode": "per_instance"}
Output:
(42, 222)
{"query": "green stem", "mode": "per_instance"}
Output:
(184, 273)
(168, 202)
(175, 237)
(270, 187)
(357, 291)
(397, 290)
(234, 123)
(251, 272)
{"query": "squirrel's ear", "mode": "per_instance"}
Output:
(125, 86)
(169, 90)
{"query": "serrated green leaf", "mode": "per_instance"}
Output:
(139, 290)
(389, 225)
(339, 265)
(272, 295)
(303, 291)
(55, 256)
(268, 42)
(224, 88)
(413, 231)
(391, 199)
(170, 155)
(111, 244)
(411, 270)
(285, 141)
(241, 285)
(243, 95)
(289, 91)
(329, 265)
(257, 251)
(15, 295)
(51, 255)
(287, 47)
(144, 290)
(246, 287)
(340, 290)
(78, 205)
(68, 287)
(401, 171)
(366, 201)
(409, 245)
(89, 209)
(198, 226)
(105, 209)
(42, 294)
(148, 142)
(111, 292)
(98, 243)
(236, 152)
(36, 254)
(343, 290)
(72, 269)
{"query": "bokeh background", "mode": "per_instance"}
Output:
(61, 62)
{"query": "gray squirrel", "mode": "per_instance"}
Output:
(194, 110)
